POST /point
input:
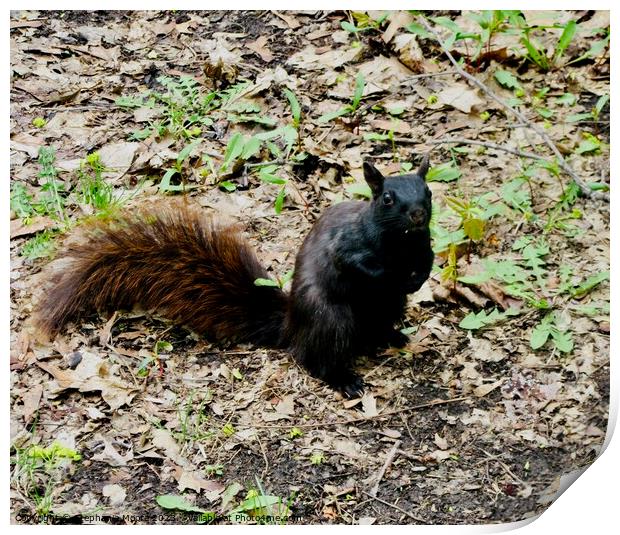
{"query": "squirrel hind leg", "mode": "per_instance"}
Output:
(325, 345)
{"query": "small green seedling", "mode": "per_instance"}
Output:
(349, 109)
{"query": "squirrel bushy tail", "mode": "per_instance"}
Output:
(174, 260)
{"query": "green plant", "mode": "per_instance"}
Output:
(351, 108)
(279, 283)
(41, 245)
(478, 320)
(295, 432)
(50, 200)
(445, 172)
(214, 469)
(490, 22)
(263, 507)
(317, 458)
(228, 430)
(593, 114)
(542, 57)
(372, 136)
(21, 201)
(551, 327)
(179, 503)
(193, 419)
(36, 472)
(153, 359)
(472, 221)
(590, 143)
(92, 189)
(363, 22)
(266, 174)
(177, 169)
(450, 269)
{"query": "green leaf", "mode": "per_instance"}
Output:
(590, 283)
(266, 282)
(540, 335)
(348, 27)
(271, 179)
(474, 321)
(576, 117)
(562, 340)
(535, 54)
(330, 116)
(545, 112)
(445, 172)
(280, 200)
(170, 501)
(227, 185)
(507, 79)
(295, 106)
(376, 137)
(590, 144)
(446, 23)
(164, 185)
(567, 99)
(360, 82)
(567, 36)
(474, 228)
(363, 190)
(237, 374)
(287, 277)
(418, 29)
(257, 502)
(245, 118)
(233, 149)
(600, 104)
(251, 148)
(186, 151)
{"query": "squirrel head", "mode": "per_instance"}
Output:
(400, 202)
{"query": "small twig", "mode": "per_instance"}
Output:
(463, 141)
(386, 464)
(544, 136)
(394, 506)
(503, 465)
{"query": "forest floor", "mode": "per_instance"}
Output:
(266, 118)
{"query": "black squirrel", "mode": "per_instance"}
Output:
(350, 285)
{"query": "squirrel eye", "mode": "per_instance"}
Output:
(387, 199)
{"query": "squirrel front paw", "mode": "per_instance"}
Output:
(349, 383)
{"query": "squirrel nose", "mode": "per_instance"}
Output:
(418, 216)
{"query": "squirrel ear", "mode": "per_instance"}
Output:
(423, 169)
(374, 179)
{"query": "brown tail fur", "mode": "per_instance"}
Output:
(174, 260)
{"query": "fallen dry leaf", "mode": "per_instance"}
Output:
(260, 47)
(460, 96)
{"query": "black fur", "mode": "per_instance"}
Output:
(353, 274)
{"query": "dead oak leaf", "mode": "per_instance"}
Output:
(189, 479)
(460, 96)
(369, 405)
(112, 456)
(92, 374)
(259, 46)
(31, 399)
(483, 390)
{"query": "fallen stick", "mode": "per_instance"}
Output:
(386, 464)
